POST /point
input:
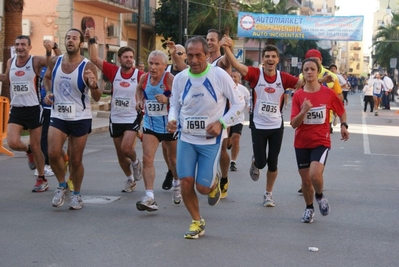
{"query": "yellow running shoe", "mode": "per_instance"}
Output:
(66, 166)
(224, 189)
(197, 229)
(214, 195)
(70, 184)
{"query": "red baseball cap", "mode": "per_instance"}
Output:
(313, 53)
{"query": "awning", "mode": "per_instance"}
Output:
(112, 48)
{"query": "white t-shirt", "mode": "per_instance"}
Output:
(247, 98)
(388, 84)
(200, 99)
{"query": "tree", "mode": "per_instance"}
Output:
(386, 43)
(206, 16)
(203, 15)
(12, 26)
(165, 20)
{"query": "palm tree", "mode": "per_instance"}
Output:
(386, 43)
(205, 15)
(12, 26)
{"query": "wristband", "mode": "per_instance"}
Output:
(55, 46)
(48, 53)
(222, 123)
(48, 92)
(344, 124)
(92, 41)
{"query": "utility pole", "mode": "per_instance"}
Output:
(220, 16)
(180, 39)
(139, 21)
(186, 27)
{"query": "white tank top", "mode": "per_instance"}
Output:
(123, 105)
(23, 84)
(266, 109)
(215, 62)
(71, 94)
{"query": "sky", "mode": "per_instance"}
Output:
(364, 8)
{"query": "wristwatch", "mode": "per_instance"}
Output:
(344, 124)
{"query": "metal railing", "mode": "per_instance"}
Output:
(133, 4)
(148, 17)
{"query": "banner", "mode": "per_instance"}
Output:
(269, 26)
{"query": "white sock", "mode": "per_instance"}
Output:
(176, 182)
(130, 178)
(135, 163)
(266, 192)
(150, 193)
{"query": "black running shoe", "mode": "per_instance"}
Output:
(167, 183)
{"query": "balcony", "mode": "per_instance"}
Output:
(117, 6)
(148, 20)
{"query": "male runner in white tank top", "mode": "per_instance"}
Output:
(22, 74)
(216, 59)
(72, 76)
(124, 119)
(266, 121)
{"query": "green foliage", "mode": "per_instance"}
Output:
(204, 15)
(248, 62)
(166, 20)
(386, 43)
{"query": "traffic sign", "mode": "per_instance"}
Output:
(294, 61)
(393, 62)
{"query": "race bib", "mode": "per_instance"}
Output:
(65, 110)
(122, 103)
(20, 88)
(196, 125)
(154, 108)
(268, 109)
(316, 116)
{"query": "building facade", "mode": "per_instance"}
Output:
(115, 23)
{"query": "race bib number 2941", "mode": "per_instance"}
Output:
(65, 110)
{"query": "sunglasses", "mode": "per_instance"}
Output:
(179, 53)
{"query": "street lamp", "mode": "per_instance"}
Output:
(388, 10)
(388, 21)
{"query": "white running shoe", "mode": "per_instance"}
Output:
(59, 197)
(137, 175)
(130, 185)
(176, 194)
(48, 172)
(268, 200)
(76, 202)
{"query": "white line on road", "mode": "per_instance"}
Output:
(366, 144)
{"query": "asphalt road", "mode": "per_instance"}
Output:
(361, 183)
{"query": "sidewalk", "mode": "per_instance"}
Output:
(100, 121)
